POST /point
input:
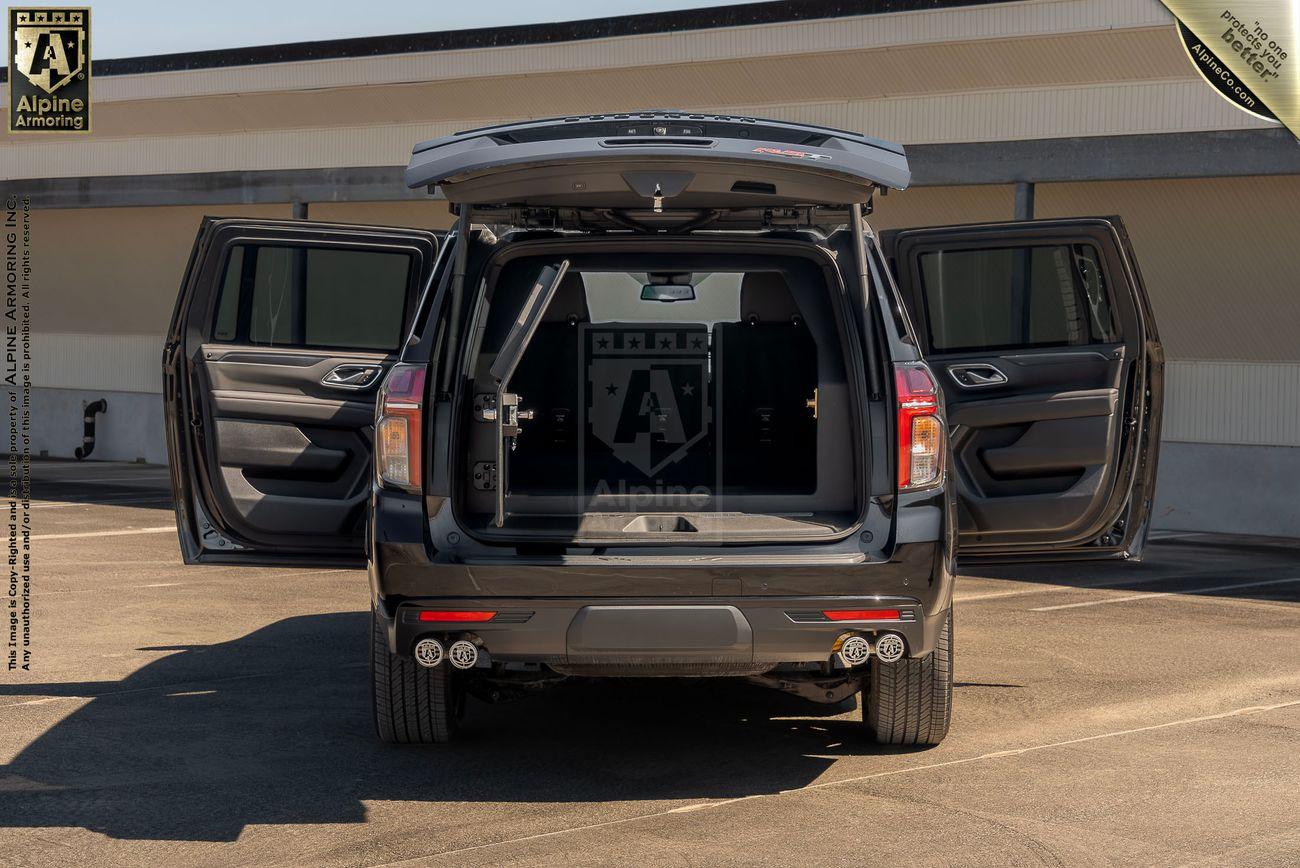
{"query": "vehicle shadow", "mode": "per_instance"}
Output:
(275, 727)
(1253, 568)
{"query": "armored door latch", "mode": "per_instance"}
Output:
(811, 403)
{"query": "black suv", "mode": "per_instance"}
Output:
(662, 404)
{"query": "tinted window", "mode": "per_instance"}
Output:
(313, 297)
(1048, 295)
(228, 311)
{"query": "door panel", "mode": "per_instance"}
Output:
(1040, 337)
(282, 334)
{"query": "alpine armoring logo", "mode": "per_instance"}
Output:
(647, 401)
(49, 70)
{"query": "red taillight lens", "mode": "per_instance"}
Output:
(862, 614)
(456, 615)
(398, 427)
(920, 428)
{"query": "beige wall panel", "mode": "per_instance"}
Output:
(104, 271)
(1148, 54)
(1256, 403)
(940, 206)
(998, 21)
(1092, 110)
(432, 214)
(1220, 258)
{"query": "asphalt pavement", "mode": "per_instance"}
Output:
(1105, 714)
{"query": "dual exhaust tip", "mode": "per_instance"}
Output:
(854, 650)
(429, 652)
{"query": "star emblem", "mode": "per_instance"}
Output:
(603, 343)
(688, 389)
(635, 343)
(665, 344)
(697, 343)
(612, 389)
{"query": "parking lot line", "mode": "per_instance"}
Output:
(1012, 752)
(107, 501)
(1081, 586)
(131, 532)
(1189, 592)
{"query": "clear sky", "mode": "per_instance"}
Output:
(131, 28)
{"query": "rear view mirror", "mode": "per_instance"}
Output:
(667, 292)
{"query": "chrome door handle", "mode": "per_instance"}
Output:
(353, 377)
(976, 376)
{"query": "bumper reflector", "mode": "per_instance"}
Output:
(456, 615)
(862, 614)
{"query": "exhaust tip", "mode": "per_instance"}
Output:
(428, 653)
(463, 654)
(890, 647)
(855, 650)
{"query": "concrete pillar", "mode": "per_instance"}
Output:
(1024, 200)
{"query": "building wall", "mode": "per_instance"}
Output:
(1219, 255)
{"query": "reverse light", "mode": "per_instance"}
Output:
(398, 427)
(920, 427)
(455, 615)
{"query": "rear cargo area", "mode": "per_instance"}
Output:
(666, 396)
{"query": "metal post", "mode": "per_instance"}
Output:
(299, 209)
(1024, 200)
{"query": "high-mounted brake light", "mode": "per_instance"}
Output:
(920, 427)
(398, 427)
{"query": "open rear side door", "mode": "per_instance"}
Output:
(1042, 339)
(282, 332)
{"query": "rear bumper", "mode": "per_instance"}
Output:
(667, 610)
(655, 636)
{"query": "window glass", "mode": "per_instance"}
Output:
(274, 306)
(1046, 295)
(313, 297)
(615, 296)
(355, 299)
(228, 312)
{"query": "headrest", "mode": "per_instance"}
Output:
(569, 304)
(765, 298)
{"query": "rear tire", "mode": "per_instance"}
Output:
(910, 702)
(412, 704)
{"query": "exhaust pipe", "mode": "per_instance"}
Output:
(890, 647)
(463, 654)
(854, 650)
(428, 653)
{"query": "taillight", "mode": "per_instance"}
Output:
(920, 428)
(398, 425)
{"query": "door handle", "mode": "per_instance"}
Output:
(352, 377)
(976, 376)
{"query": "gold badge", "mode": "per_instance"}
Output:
(49, 70)
(1245, 49)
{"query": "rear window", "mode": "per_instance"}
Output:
(328, 298)
(1008, 297)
